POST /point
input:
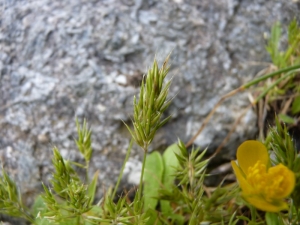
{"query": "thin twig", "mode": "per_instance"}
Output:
(290, 71)
(206, 120)
(225, 140)
(262, 104)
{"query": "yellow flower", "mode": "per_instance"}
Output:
(262, 186)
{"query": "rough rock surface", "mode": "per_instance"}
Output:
(85, 58)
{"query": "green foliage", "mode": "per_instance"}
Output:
(286, 119)
(283, 147)
(291, 55)
(273, 45)
(38, 209)
(67, 201)
(69, 198)
(148, 112)
(84, 142)
(63, 176)
(92, 187)
(153, 217)
(192, 165)
(10, 199)
(188, 201)
(285, 152)
(151, 105)
(285, 90)
(170, 167)
(115, 213)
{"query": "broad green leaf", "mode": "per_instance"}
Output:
(154, 169)
(40, 221)
(69, 222)
(286, 119)
(152, 216)
(273, 219)
(296, 105)
(175, 218)
(170, 163)
(37, 209)
(38, 206)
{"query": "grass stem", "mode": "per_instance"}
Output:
(140, 191)
(122, 169)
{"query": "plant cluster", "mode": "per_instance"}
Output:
(171, 189)
(282, 94)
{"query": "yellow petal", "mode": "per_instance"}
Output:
(246, 188)
(287, 184)
(249, 153)
(260, 203)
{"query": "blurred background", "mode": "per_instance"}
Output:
(62, 59)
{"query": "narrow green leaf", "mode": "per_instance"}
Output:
(92, 187)
(243, 218)
(155, 118)
(139, 130)
(199, 157)
(37, 210)
(141, 100)
(296, 105)
(166, 105)
(286, 119)
(163, 122)
(162, 97)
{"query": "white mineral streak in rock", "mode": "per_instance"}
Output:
(133, 170)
